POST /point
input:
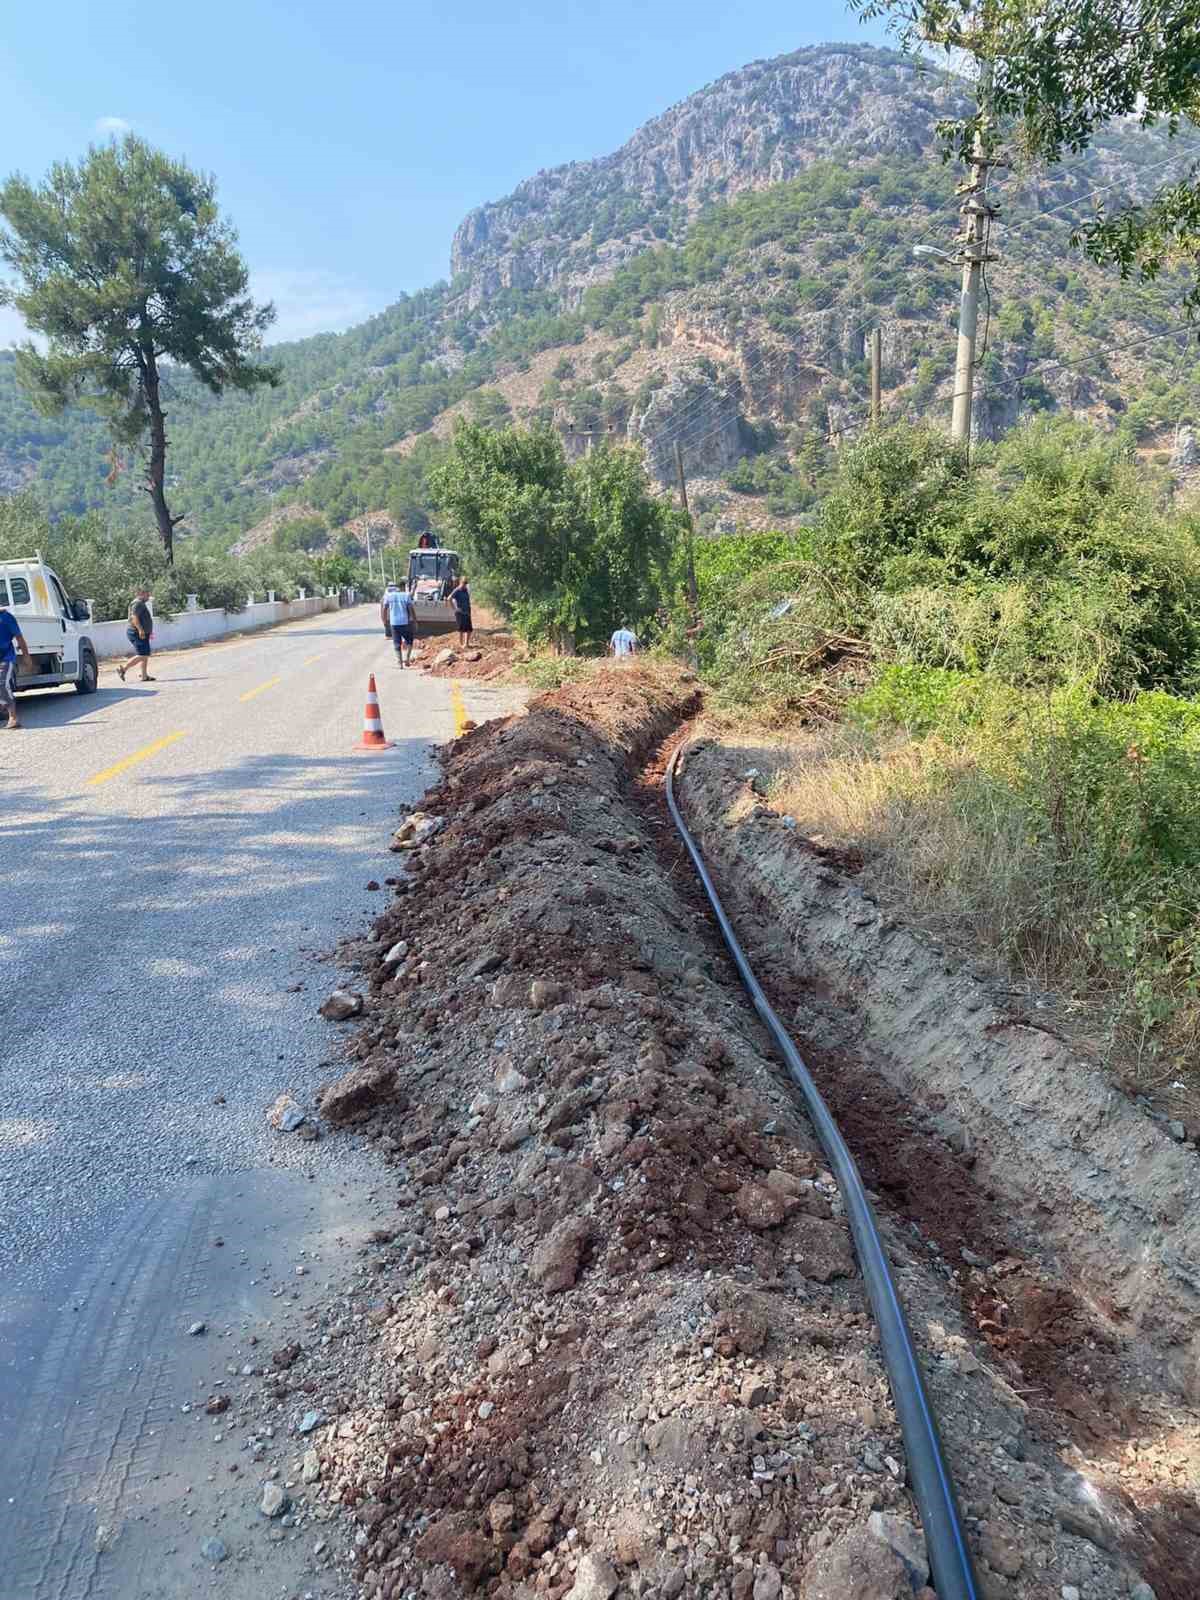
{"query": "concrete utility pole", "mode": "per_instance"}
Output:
(978, 215)
(876, 381)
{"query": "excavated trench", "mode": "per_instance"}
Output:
(620, 1335)
(1087, 1309)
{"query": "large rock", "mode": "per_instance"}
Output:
(761, 1207)
(822, 1249)
(857, 1567)
(274, 1500)
(559, 1257)
(594, 1578)
(341, 1005)
(471, 1556)
(361, 1089)
(285, 1114)
(903, 1539)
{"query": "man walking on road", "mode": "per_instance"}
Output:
(460, 599)
(383, 608)
(11, 640)
(398, 608)
(141, 626)
(623, 642)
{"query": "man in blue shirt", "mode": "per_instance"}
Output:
(399, 612)
(11, 640)
(624, 642)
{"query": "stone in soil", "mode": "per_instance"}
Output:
(285, 1115)
(857, 1567)
(557, 1260)
(341, 1005)
(214, 1549)
(595, 1578)
(361, 1089)
(274, 1501)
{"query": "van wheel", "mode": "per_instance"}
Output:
(89, 676)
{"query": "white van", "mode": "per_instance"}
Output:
(56, 628)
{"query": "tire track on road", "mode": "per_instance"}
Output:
(115, 1353)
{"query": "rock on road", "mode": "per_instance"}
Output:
(172, 859)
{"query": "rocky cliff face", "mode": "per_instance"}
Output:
(758, 126)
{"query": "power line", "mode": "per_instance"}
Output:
(696, 412)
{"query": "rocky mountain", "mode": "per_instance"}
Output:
(752, 128)
(713, 284)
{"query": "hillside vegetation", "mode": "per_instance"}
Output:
(1002, 661)
(723, 299)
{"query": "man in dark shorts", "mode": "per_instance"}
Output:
(11, 640)
(141, 626)
(460, 599)
(398, 605)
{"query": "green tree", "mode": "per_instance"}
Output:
(568, 550)
(1063, 72)
(489, 408)
(124, 261)
(301, 533)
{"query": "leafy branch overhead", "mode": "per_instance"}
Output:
(1061, 72)
(124, 262)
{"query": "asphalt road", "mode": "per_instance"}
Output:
(175, 860)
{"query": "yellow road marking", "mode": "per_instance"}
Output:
(317, 657)
(131, 761)
(250, 693)
(459, 710)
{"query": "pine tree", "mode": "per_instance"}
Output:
(123, 263)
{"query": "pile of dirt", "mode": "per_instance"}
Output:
(616, 1342)
(492, 652)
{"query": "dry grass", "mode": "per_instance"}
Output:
(949, 850)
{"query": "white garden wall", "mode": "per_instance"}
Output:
(195, 627)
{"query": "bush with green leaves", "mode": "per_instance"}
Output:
(568, 550)
(1053, 562)
(1100, 800)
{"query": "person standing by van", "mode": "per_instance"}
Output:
(141, 626)
(11, 640)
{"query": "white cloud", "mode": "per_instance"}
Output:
(112, 127)
(309, 302)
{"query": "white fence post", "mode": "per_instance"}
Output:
(193, 602)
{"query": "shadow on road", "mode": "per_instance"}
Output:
(55, 708)
(163, 935)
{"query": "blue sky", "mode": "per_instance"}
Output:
(349, 139)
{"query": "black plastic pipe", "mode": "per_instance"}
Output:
(946, 1546)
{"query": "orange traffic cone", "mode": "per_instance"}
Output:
(372, 738)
